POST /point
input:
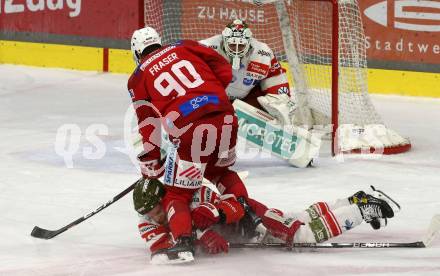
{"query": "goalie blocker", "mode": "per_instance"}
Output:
(297, 146)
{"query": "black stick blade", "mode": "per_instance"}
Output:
(41, 233)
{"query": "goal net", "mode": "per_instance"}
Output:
(320, 43)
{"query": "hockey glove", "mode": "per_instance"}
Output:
(205, 215)
(280, 106)
(212, 242)
(230, 209)
(279, 226)
(150, 168)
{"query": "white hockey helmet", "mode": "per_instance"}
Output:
(141, 39)
(236, 41)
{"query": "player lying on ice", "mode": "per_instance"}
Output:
(217, 218)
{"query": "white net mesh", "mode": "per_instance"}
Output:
(300, 34)
(311, 27)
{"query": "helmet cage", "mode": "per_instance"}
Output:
(236, 39)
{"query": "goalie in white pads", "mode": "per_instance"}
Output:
(216, 218)
(259, 80)
(256, 71)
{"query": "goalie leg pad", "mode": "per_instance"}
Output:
(296, 145)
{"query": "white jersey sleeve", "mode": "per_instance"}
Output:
(258, 68)
(215, 42)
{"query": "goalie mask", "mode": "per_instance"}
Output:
(141, 39)
(236, 41)
(147, 194)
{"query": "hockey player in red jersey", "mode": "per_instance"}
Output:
(181, 88)
(318, 223)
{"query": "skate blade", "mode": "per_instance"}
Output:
(162, 259)
(381, 195)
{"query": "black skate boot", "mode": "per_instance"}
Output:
(181, 252)
(375, 208)
(361, 197)
(251, 226)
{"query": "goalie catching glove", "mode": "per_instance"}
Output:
(280, 106)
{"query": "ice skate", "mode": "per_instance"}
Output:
(373, 208)
(381, 195)
(181, 252)
(361, 197)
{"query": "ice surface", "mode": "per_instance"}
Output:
(36, 187)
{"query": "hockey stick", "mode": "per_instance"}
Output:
(418, 244)
(42, 233)
(430, 236)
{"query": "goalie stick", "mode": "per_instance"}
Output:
(430, 236)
